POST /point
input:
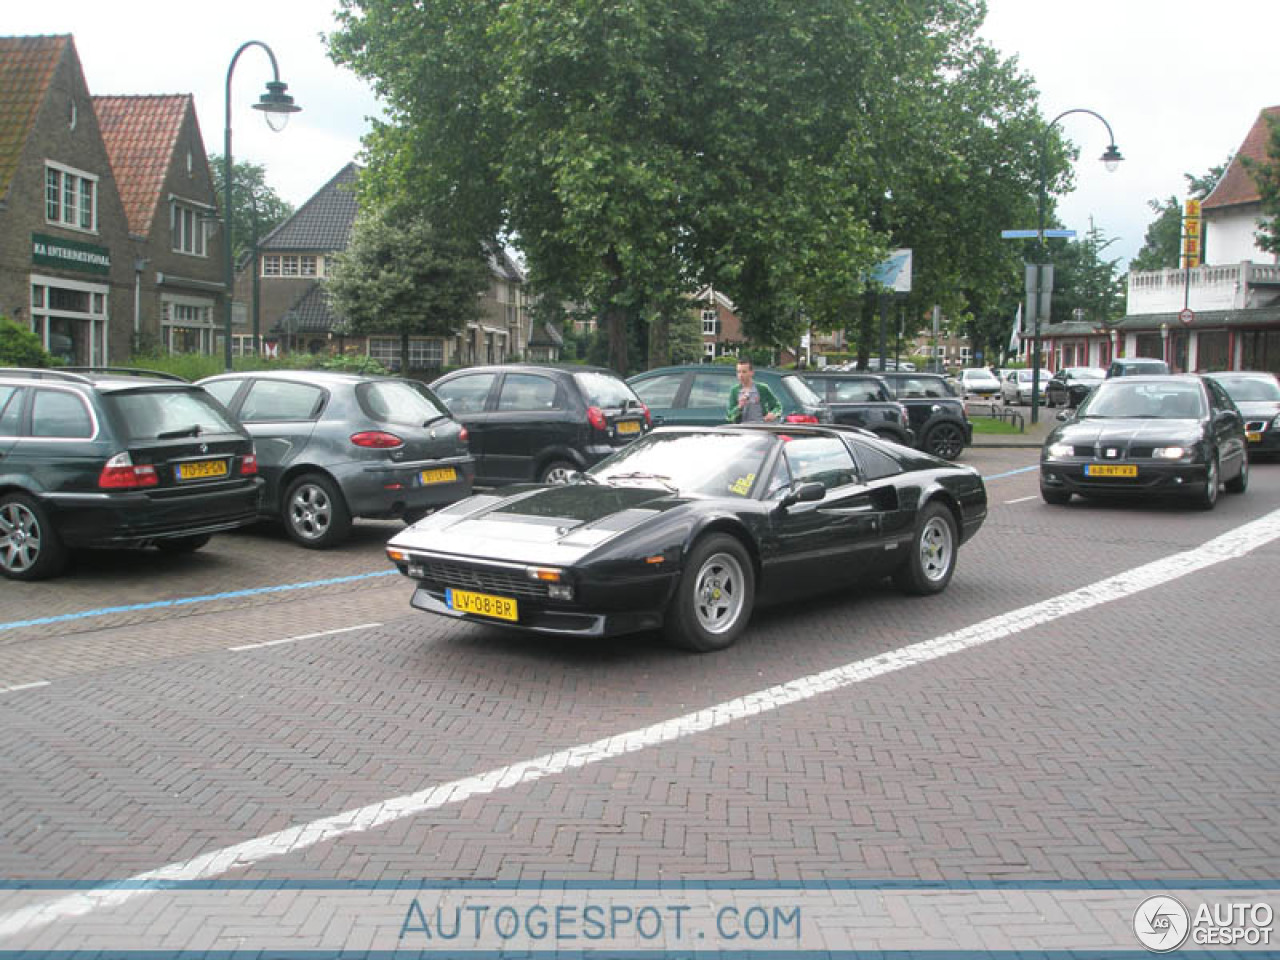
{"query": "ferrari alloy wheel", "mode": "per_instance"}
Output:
(29, 546)
(315, 514)
(931, 558)
(713, 601)
(945, 440)
(1207, 497)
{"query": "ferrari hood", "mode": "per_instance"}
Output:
(545, 525)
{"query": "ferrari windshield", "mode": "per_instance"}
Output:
(710, 464)
(1153, 400)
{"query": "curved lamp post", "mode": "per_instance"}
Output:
(1111, 158)
(276, 106)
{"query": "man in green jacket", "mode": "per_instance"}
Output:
(751, 402)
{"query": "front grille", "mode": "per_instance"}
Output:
(1082, 451)
(1142, 453)
(503, 581)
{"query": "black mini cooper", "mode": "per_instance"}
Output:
(115, 458)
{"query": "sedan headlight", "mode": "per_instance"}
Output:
(1169, 453)
(1061, 450)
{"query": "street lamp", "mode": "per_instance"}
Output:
(276, 105)
(1111, 159)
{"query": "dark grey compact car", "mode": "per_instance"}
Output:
(115, 458)
(863, 400)
(335, 446)
(936, 412)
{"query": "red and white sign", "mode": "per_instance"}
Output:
(1186, 315)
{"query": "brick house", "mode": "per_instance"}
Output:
(161, 169)
(66, 254)
(294, 259)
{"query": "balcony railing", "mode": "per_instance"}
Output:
(1236, 286)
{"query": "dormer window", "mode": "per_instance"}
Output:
(71, 197)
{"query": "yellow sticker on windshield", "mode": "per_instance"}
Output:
(742, 484)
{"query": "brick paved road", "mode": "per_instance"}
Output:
(1132, 740)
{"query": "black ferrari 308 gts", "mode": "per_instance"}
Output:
(687, 529)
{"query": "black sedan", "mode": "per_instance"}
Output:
(1257, 395)
(1070, 385)
(688, 528)
(1148, 436)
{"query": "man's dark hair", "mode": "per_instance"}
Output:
(746, 361)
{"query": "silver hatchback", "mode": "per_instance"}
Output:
(335, 446)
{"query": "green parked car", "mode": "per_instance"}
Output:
(698, 394)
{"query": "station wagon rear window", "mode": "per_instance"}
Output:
(152, 414)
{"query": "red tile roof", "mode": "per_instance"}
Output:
(141, 133)
(1237, 184)
(27, 65)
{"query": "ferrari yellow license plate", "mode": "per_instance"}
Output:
(628, 426)
(440, 475)
(1110, 470)
(1253, 437)
(483, 604)
(202, 469)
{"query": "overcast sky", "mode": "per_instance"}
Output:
(1179, 82)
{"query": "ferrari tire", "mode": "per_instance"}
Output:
(714, 598)
(1240, 482)
(315, 515)
(30, 548)
(557, 471)
(183, 544)
(931, 557)
(1206, 497)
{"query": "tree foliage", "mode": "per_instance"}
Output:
(1162, 245)
(256, 208)
(637, 149)
(1266, 174)
(401, 275)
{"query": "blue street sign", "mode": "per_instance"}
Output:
(1032, 234)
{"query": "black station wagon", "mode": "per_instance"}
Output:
(115, 458)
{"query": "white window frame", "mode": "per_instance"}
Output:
(70, 178)
(188, 237)
(271, 265)
(710, 323)
(188, 313)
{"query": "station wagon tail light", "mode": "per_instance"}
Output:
(800, 418)
(595, 417)
(248, 465)
(120, 473)
(376, 439)
(462, 434)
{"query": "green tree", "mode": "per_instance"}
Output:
(400, 275)
(19, 347)
(1083, 280)
(638, 150)
(1162, 245)
(1266, 174)
(258, 209)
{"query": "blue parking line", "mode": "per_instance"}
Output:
(1010, 473)
(187, 601)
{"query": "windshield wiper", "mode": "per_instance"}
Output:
(665, 481)
(191, 431)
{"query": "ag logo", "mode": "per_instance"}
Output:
(1161, 923)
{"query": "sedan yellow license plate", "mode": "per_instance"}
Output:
(202, 469)
(1253, 437)
(628, 426)
(439, 475)
(484, 604)
(1110, 470)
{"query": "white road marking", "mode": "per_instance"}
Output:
(1230, 546)
(25, 686)
(303, 636)
(1022, 499)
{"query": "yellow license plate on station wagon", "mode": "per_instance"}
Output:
(628, 426)
(1253, 437)
(1110, 470)
(483, 604)
(202, 469)
(439, 475)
